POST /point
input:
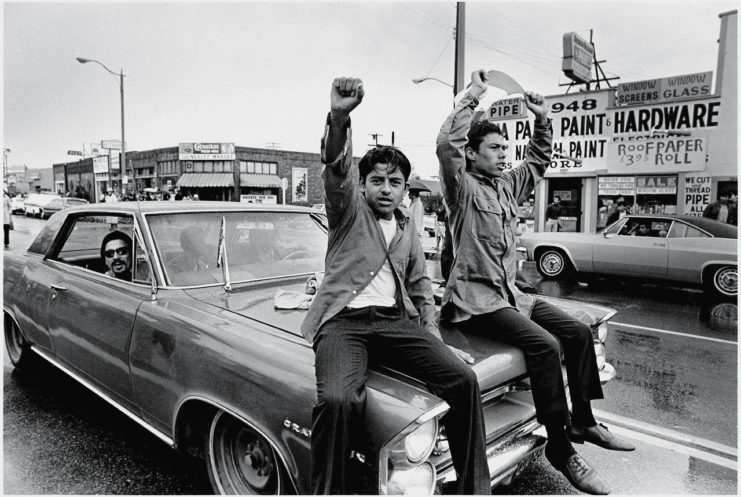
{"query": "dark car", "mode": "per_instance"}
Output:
(194, 350)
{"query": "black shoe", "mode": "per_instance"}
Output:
(580, 474)
(598, 435)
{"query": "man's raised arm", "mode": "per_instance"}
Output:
(339, 185)
(523, 178)
(453, 136)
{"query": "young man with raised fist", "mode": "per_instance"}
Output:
(376, 296)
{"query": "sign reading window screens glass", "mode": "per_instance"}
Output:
(300, 184)
(617, 185)
(656, 185)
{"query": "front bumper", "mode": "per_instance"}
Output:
(508, 456)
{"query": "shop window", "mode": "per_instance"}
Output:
(228, 166)
(208, 166)
(218, 166)
(273, 168)
(250, 167)
(242, 167)
(198, 167)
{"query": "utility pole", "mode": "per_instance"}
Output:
(460, 47)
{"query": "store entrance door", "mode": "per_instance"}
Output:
(569, 191)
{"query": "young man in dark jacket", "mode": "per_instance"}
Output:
(376, 296)
(480, 296)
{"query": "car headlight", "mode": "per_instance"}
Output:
(403, 466)
(602, 332)
(418, 480)
(416, 445)
(599, 351)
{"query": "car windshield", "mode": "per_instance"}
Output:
(258, 245)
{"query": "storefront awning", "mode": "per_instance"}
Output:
(206, 180)
(260, 180)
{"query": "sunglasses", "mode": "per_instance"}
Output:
(119, 251)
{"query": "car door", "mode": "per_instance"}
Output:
(92, 314)
(630, 253)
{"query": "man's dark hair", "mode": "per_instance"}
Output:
(114, 235)
(392, 156)
(556, 198)
(478, 132)
(620, 203)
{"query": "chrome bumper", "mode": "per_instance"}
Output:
(507, 457)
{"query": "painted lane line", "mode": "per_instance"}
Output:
(677, 333)
(675, 447)
(666, 434)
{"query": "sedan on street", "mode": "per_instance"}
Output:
(683, 249)
(58, 204)
(186, 318)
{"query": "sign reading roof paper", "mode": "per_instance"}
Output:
(206, 151)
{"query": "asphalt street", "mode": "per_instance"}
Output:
(675, 397)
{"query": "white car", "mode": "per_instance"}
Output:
(17, 204)
(37, 202)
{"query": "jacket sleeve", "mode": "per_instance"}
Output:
(419, 288)
(451, 144)
(339, 177)
(523, 178)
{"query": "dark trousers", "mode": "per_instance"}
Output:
(6, 232)
(342, 348)
(538, 337)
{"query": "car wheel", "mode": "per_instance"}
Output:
(723, 280)
(552, 263)
(19, 350)
(240, 460)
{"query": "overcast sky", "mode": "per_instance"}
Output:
(259, 73)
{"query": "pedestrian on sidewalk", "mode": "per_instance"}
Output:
(552, 212)
(7, 218)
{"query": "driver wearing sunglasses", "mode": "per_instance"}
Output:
(116, 253)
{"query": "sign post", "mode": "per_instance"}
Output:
(284, 184)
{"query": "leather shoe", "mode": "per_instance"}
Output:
(580, 474)
(598, 435)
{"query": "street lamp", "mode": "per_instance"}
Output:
(417, 81)
(120, 77)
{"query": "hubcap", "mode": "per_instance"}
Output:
(726, 280)
(14, 340)
(552, 264)
(241, 460)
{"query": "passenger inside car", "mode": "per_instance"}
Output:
(194, 256)
(116, 254)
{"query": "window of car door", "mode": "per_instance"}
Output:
(682, 230)
(82, 244)
(646, 227)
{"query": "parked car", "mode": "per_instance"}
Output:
(36, 203)
(684, 249)
(196, 353)
(17, 204)
(58, 204)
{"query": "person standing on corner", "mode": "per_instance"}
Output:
(480, 296)
(552, 212)
(417, 211)
(376, 296)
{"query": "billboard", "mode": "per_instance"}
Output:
(578, 56)
(111, 144)
(206, 151)
(300, 184)
(668, 89)
(100, 164)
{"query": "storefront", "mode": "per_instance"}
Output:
(259, 182)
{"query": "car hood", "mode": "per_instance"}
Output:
(496, 363)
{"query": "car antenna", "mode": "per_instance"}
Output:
(222, 260)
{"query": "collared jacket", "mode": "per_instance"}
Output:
(356, 251)
(482, 214)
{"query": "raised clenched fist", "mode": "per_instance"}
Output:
(347, 93)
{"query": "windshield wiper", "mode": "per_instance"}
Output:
(222, 260)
